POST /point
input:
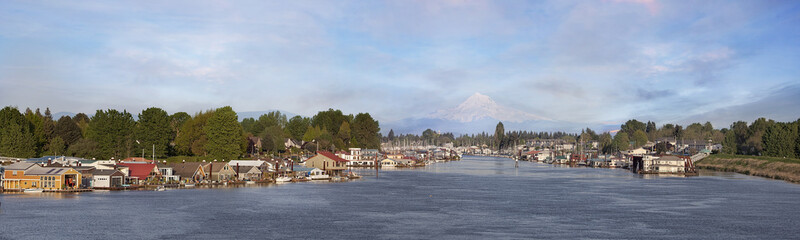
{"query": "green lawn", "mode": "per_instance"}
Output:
(771, 159)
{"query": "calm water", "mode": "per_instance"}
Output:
(475, 198)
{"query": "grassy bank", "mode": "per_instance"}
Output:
(787, 169)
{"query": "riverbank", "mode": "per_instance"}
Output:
(786, 169)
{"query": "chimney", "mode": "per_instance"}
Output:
(49, 161)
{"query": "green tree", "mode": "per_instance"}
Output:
(225, 135)
(154, 132)
(366, 131)
(56, 146)
(113, 132)
(191, 139)
(729, 145)
(639, 138)
(499, 135)
(779, 140)
(631, 126)
(16, 134)
(621, 142)
(177, 120)
(297, 127)
(85, 148)
(68, 130)
(391, 135)
(343, 135)
(605, 143)
(83, 122)
(37, 121)
(311, 134)
(272, 139)
(330, 120)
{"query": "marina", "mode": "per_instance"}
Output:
(475, 198)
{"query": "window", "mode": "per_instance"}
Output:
(14, 173)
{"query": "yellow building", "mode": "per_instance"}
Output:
(21, 176)
(328, 162)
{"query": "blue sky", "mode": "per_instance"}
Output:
(576, 61)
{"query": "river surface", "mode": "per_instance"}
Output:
(476, 198)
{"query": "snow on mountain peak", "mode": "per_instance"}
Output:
(479, 106)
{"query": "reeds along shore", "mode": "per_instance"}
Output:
(763, 168)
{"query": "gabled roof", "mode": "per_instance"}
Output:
(47, 171)
(106, 172)
(187, 169)
(331, 156)
(246, 169)
(20, 166)
(140, 170)
(216, 166)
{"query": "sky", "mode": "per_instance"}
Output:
(601, 62)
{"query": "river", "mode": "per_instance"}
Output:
(476, 198)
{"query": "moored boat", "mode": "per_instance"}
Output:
(283, 179)
(33, 190)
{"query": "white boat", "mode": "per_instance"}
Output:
(250, 182)
(320, 177)
(283, 179)
(160, 189)
(189, 185)
(33, 190)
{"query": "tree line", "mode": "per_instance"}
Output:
(215, 133)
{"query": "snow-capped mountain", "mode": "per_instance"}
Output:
(479, 106)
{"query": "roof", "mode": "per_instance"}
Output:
(20, 166)
(140, 170)
(250, 163)
(216, 166)
(670, 158)
(245, 169)
(137, 159)
(47, 171)
(105, 172)
(186, 169)
(331, 156)
(300, 169)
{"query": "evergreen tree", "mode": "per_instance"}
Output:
(83, 122)
(113, 132)
(366, 131)
(343, 135)
(16, 134)
(779, 140)
(68, 130)
(154, 132)
(225, 135)
(56, 146)
(499, 135)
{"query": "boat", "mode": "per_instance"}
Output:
(283, 179)
(319, 177)
(160, 189)
(250, 182)
(33, 190)
(189, 185)
(336, 178)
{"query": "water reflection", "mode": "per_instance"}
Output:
(475, 198)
